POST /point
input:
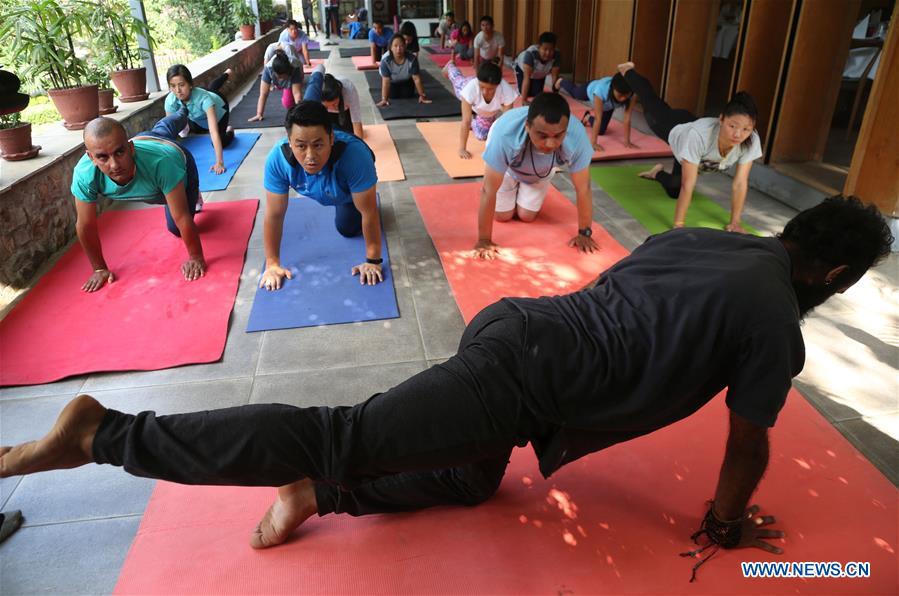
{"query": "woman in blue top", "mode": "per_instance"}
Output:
(331, 167)
(207, 110)
(605, 94)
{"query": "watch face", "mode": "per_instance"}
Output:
(587, 232)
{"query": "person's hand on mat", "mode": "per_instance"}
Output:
(597, 147)
(218, 167)
(735, 227)
(193, 269)
(464, 154)
(754, 530)
(271, 278)
(99, 279)
(583, 243)
(630, 145)
(369, 274)
(424, 99)
(486, 249)
(256, 118)
(383, 103)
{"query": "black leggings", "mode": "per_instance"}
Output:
(442, 437)
(226, 135)
(661, 118)
(536, 86)
(402, 89)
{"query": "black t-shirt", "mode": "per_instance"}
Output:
(689, 313)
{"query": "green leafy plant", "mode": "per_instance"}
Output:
(97, 74)
(41, 40)
(241, 13)
(266, 10)
(115, 34)
(10, 120)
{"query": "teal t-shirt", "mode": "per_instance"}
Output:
(160, 167)
(200, 101)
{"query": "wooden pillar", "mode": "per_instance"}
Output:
(460, 8)
(649, 45)
(612, 36)
(814, 74)
(874, 173)
(525, 23)
(544, 17)
(764, 55)
(585, 18)
(692, 35)
(503, 14)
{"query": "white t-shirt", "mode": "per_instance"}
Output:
(488, 47)
(697, 142)
(505, 94)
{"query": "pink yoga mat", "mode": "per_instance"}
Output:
(613, 141)
(149, 318)
(308, 68)
(611, 523)
(364, 63)
(535, 259)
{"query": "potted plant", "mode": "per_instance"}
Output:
(267, 15)
(242, 16)
(116, 34)
(15, 135)
(41, 36)
(97, 75)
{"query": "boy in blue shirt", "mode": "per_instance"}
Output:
(331, 167)
(524, 147)
(151, 167)
(379, 38)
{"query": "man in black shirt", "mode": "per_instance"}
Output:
(653, 339)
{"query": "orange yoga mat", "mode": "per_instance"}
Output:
(387, 160)
(613, 141)
(364, 63)
(535, 259)
(443, 138)
(611, 523)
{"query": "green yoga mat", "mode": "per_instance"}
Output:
(648, 203)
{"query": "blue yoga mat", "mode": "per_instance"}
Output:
(322, 291)
(201, 148)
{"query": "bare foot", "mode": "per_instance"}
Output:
(557, 85)
(625, 66)
(651, 174)
(294, 505)
(67, 445)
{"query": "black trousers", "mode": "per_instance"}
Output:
(442, 437)
(661, 118)
(332, 20)
(226, 135)
(536, 86)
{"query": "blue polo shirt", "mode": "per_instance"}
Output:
(352, 171)
(508, 151)
(602, 89)
(380, 40)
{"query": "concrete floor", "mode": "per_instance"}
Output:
(80, 523)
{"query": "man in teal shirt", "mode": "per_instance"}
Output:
(152, 168)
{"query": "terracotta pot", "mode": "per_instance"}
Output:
(247, 32)
(77, 106)
(106, 105)
(15, 143)
(131, 83)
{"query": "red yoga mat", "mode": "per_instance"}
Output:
(149, 318)
(535, 259)
(610, 523)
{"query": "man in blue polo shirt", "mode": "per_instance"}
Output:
(152, 168)
(331, 167)
(524, 148)
(379, 38)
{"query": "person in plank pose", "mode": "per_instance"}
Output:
(605, 94)
(294, 36)
(535, 63)
(570, 375)
(700, 145)
(379, 40)
(208, 111)
(445, 28)
(331, 167)
(400, 74)
(150, 167)
(524, 148)
(339, 95)
(484, 98)
(284, 71)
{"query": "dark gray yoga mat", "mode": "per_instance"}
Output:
(319, 54)
(350, 52)
(443, 103)
(275, 112)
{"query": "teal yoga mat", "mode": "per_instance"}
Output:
(648, 203)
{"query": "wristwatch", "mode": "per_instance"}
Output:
(588, 231)
(374, 261)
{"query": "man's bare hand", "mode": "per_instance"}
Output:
(193, 269)
(99, 279)
(486, 249)
(583, 243)
(754, 530)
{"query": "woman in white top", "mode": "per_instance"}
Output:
(484, 98)
(700, 144)
(340, 96)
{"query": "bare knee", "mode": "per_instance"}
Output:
(503, 215)
(526, 215)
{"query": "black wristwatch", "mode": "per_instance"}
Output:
(588, 231)
(374, 261)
